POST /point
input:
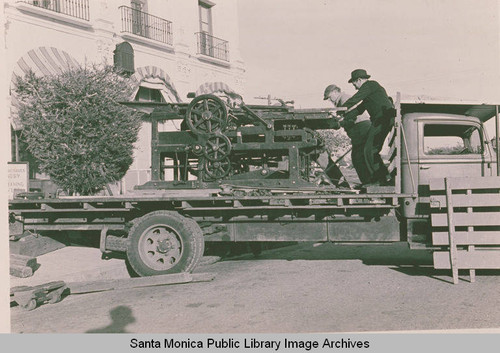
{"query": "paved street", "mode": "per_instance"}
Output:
(300, 288)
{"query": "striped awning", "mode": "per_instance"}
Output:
(156, 78)
(212, 87)
(42, 61)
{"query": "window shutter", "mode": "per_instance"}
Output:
(124, 58)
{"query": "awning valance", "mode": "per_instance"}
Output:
(212, 87)
(155, 78)
(41, 61)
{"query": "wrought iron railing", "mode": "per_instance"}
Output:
(211, 46)
(146, 25)
(73, 8)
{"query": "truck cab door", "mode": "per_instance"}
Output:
(454, 148)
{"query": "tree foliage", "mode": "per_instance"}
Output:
(75, 127)
(336, 141)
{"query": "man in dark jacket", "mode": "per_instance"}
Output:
(373, 98)
(356, 127)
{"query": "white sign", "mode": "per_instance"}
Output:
(18, 177)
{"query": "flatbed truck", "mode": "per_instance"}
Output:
(445, 195)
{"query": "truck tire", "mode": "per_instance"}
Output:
(163, 242)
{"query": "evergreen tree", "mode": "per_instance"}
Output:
(76, 129)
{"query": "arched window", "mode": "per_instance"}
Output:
(124, 58)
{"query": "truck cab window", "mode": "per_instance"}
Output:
(443, 139)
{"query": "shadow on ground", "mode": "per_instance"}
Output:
(373, 254)
(121, 316)
(397, 256)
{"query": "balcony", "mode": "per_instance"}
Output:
(213, 47)
(73, 8)
(145, 25)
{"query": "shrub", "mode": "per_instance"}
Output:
(76, 129)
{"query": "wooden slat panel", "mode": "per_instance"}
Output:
(467, 183)
(477, 259)
(398, 135)
(473, 200)
(392, 134)
(467, 238)
(393, 166)
(466, 219)
(392, 152)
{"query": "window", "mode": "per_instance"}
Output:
(145, 94)
(206, 45)
(443, 139)
(124, 58)
(139, 17)
(47, 4)
(205, 17)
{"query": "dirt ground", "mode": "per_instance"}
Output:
(295, 289)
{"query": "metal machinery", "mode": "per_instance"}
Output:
(238, 145)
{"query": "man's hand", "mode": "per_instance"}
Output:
(335, 124)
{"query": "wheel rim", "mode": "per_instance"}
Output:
(206, 114)
(160, 247)
(217, 147)
(217, 169)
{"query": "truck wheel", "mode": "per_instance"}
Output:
(163, 242)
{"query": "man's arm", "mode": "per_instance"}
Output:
(350, 118)
(364, 91)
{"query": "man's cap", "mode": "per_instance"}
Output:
(329, 89)
(358, 73)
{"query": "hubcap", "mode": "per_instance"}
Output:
(160, 247)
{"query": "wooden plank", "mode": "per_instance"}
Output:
(392, 152)
(284, 207)
(399, 138)
(477, 259)
(472, 200)
(470, 248)
(39, 226)
(465, 219)
(391, 137)
(377, 189)
(452, 254)
(466, 183)
(472, 271)
(467, 238)
(22, 260)
(126, 283)
(73, 210)
(21, 271)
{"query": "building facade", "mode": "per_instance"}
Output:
(169, 47)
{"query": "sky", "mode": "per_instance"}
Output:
(443, 49)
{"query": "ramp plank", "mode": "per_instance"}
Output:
(466, 183)
(467, 238)
(467, 219)
(477, 259)
(104, 285)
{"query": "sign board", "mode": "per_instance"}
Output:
(17, 177)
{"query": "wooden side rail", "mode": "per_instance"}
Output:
(470, 225)
(394, 143)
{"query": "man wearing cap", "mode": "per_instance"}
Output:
(373, 98)
(356, 126)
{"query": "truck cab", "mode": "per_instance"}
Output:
(440, 140)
